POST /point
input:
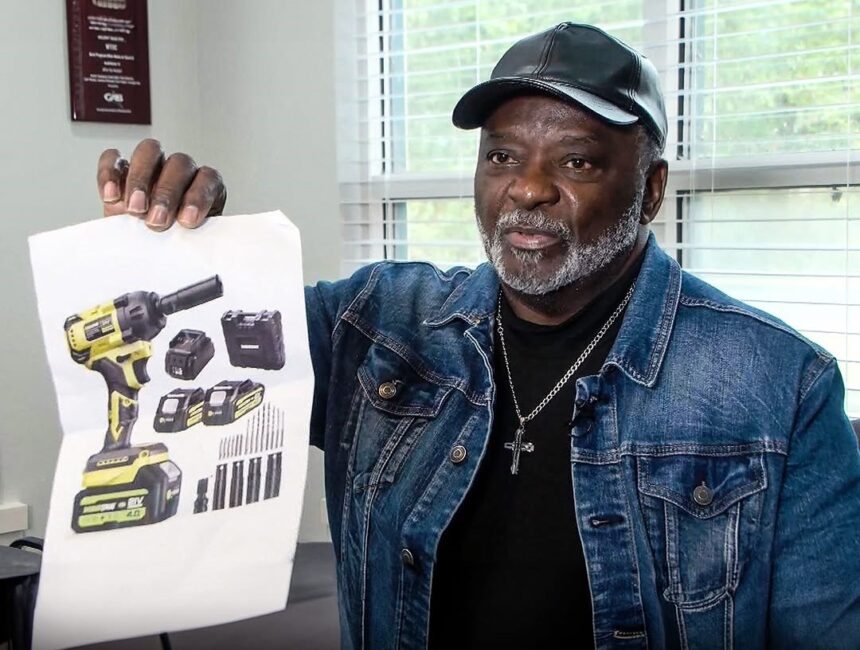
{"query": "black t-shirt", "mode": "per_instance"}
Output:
(510, 571)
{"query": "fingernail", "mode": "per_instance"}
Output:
(188, 216)
(110, 192)
(137, 202)
(157, 216)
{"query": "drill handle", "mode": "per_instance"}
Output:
(122, 414)
(124, 374)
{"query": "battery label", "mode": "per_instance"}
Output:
(112, 508)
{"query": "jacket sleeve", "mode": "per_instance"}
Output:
(815, 598)
(325, 302)
(320, 302)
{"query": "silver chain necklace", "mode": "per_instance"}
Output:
(518, 446)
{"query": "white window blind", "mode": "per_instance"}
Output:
(763, 106)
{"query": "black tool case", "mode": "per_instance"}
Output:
(254, 340)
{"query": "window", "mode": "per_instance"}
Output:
(764, 111)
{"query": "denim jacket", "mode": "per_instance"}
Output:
(716, 477)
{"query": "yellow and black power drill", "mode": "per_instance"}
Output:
(127, 485)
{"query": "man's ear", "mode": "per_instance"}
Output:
(655, 189)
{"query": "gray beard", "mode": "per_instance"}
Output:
(581, 261)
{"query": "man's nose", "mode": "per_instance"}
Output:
(533, 188)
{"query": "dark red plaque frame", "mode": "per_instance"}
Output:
(108, 61)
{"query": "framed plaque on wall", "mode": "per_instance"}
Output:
(108, 61)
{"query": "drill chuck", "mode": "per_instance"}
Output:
(191, 296)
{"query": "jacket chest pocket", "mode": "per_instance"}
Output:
(395, 405)
(701, 513)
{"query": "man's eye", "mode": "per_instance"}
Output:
(578, 163)
(499, 158)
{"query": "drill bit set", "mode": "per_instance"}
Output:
(239, 475)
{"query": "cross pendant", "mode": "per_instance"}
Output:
(518, 446)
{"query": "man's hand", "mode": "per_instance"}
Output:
(159, 189)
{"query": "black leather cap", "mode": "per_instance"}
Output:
(573, 62)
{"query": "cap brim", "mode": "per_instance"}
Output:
(477, 104)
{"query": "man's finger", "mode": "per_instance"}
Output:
(110, 176)
(118, 206)
(144, 167)
(205, 197)
(166, 195)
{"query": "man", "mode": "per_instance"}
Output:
(577, 444)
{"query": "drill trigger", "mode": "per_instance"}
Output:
(139, 368)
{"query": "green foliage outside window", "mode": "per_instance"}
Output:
(773, 79)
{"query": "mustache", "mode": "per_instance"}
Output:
(534, 219)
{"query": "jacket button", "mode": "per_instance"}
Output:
(458, 454)
(407, 557)
(387, 390)
(703, 495)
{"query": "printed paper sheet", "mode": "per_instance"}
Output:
(187, 516)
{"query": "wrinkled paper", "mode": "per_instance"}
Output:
(194, 568)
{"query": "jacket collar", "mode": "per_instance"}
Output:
(472, 301)
(641, 343)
